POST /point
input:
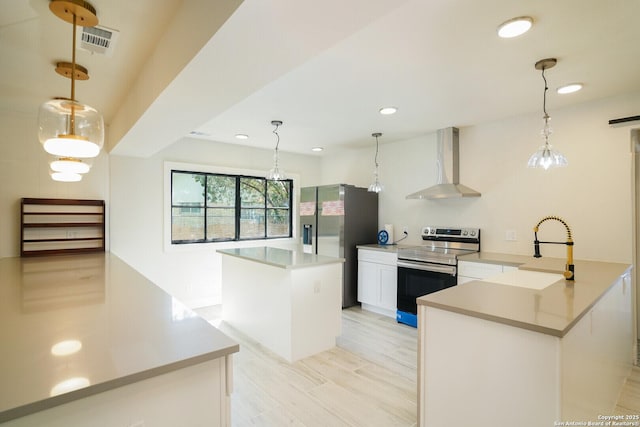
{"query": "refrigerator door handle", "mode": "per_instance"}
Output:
(307, 238)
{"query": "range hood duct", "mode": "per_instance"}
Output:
(447, 163)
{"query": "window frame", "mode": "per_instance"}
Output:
(238, 176)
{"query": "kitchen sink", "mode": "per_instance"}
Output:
(526, 279)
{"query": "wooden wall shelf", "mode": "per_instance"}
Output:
(61, 226)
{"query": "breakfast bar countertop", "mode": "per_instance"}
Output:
(552, 309)
(78, 325)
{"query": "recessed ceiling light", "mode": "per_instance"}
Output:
(515, 27)
(388, 110)
(570, 88)
(317, 149)
(242, 136)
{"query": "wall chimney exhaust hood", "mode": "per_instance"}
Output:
(447, 164)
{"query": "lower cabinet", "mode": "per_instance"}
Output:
(596, 355)
(468, 271)
(377, 281)
(538, 379)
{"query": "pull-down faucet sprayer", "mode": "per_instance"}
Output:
(569, 267)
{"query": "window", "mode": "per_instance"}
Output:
(207, 207)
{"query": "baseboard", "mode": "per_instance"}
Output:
(379, 310)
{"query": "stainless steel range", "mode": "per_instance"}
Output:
(432, 266)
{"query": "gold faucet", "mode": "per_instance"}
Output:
(569, 267)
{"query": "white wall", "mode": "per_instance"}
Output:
(191, 273)
(593, 194)
(350, 166)
(24, 172)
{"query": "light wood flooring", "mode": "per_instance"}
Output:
(368, 379)
(629, 401)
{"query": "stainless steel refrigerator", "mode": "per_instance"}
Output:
(333, 220)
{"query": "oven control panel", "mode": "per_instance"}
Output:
(433, 232)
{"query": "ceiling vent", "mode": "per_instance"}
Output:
(100, 40)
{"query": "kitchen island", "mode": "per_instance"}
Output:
(526, 347)
(87, 340)
(288, 301)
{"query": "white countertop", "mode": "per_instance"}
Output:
(496, 258)
(554, 309)
(128, 328)
(376, 247)
(282, 258)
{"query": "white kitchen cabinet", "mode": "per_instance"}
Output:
(377, 281)
(595, 355)
(288, 303)
(468, 271)
(568, 372)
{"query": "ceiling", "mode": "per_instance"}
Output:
(324, 68)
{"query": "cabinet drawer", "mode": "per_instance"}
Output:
(379, 257)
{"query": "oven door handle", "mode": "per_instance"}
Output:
(431, 267)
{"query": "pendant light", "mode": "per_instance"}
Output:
(546, 157)
(68, 130)
(69, 169)
(69, 164)
(66, 176)
(376, 187)
(275, 173)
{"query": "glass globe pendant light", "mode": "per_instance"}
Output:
(66, 176)
(546, 157)
(376, 187)
(69, 164)
(70, 129)
(69, 169)
(66, 128)
(275, 173)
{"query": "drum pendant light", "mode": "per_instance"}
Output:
(68, 130)
(546, 157)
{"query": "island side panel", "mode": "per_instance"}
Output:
(256, 300)
(597, 355)
(316, 309)
(482, 373)
(196, 395)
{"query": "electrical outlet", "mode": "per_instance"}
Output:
(405, 230)
(510, 235)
